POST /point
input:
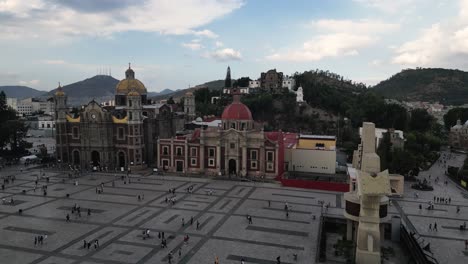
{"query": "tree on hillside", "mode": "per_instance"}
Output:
(395, 116)
(420, 120)
(241, 82)
(450, 119)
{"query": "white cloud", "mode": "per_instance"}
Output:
(29, 83)
(219, 44)
(192, 45)
(331, 45)
(440, 45)
(362, 26)
(389, 6)
(336, 38)
(205, 33)
(57, 19)
(55, 62)
(226, 54)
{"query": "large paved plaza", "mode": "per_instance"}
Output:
(118, 219)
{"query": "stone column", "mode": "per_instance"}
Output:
(202, 157)
(186, 165)
(262, 160)
(218, 158)
(172, 149)
(244, 160)
(158, 153)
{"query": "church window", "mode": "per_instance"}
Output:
(193, 152)
(253, 154)
(233, 125)
(211, 152)
(179, 151)
(233, 145)
(211, 162)
(130, 116)
(253, 165)
(42, 125)
(165, 163)
(243, 126)
(130, 103)
(165, 150)
(121, 133)
(75, 132)
(193, 162)
(270, 156)
(270, 166)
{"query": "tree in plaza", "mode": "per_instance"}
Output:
(12, 130)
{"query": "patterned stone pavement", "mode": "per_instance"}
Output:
(447, 243)
(118, 219)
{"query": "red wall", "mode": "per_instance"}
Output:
(317, 185)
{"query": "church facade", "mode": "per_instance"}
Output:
(236, 147)
(120, 137)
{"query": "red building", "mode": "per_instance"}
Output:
(237, 147)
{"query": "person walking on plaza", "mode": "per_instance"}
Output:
(269, 203)
(198, 225)
(435, 226)
(191, 220)
(68, 218)
(183, 222)
(180, 252)
(216, 260)
(430, 227)
(84, 243)
(458, 209)
(278, 260)
(466, 244)
(35, 240)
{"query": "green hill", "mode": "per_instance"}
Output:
(16, 91)
(446, 86)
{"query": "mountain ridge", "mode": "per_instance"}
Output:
(447, 86)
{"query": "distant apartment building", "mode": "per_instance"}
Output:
(13, 103)
(29, 106)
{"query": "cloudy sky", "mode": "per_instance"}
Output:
(176, 43)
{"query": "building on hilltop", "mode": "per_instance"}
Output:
(115, 137)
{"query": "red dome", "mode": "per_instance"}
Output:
(236, 111)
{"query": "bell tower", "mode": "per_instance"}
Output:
(136, 147)
(189, 106)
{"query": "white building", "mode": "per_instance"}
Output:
(46, 122)
(254, 84)
(289, 82)
(24, 109)
(13, 103)
(28, 106)
(242, 90)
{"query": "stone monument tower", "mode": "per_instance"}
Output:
(369, 196)
(189, 106)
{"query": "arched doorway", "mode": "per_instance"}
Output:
(121, 160)
(76, 157)
(232, 166)
(95, 158)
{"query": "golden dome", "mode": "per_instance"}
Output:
(133, 93)
(59, 91)
(127, 85)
